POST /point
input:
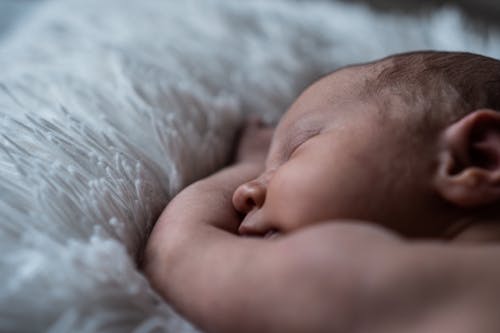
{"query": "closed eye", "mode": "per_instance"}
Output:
(285, 144)
(298, 140)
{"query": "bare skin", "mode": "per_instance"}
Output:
(352, 250)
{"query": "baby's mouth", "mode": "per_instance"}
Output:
(254, 224)
(273, 233)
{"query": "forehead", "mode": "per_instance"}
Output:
(321, 107)
(333, 92)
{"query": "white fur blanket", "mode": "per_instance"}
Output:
(109, 108)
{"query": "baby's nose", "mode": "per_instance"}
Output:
(249, 195)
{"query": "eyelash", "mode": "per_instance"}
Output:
(300, 141)
(294, 147)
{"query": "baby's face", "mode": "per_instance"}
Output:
(333, 156)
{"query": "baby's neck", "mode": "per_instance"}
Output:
(477, 231)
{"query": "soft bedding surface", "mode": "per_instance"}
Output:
(109, 108)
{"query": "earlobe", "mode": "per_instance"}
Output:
(468, 172)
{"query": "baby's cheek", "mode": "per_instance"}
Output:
(290, 198)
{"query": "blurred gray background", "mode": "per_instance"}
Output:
(481, 13)
(12, 10)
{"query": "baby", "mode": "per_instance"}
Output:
(375, 209)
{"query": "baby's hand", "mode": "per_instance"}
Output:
(254, 141)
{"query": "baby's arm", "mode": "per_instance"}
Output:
(227, 283)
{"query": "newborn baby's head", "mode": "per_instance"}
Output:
(411, 142)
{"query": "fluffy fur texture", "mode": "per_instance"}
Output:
(109, 108)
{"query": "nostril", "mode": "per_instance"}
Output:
(246, 204)
(249, 196)
(242, 201)
(249, 203)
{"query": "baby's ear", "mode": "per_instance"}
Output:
(468, 173)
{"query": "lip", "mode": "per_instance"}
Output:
(249, 219)
(253, 223)
(271, 234)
